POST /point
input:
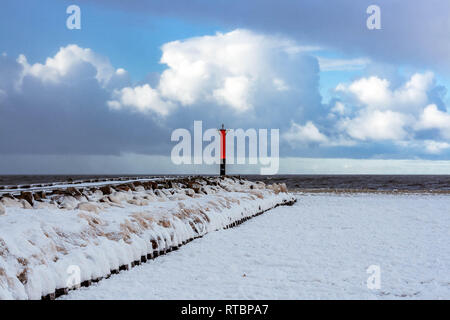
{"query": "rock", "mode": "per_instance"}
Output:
(260, 185)
(2, 210)
(137, 183)
(149, 185)
(275, 187)
(123, 187)
(68, 202)
(88, 206)
(36, 197)
(138, 202)
(25, 204)
(13, 203)
(28, 196)
(140, 189)
(106, 190)
(44, 205)
(39, 195)
(257, 193)
(74, 191)
(196, 189)
(283, 187)
(81, 198)
(117, 197)
(97, 194)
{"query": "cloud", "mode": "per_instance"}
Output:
(230, 73)
(376, 125)
(432, 118)
(376, 93)
(435, 147)
(306, 134)
(339, 108)
(370, 110)
(226, 69)
(340, 26)
(59, 107)
(235, 93)
(66, 60)
(429, 147)
(141, 99)
(77, 102)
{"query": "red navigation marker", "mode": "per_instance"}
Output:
(223, 149)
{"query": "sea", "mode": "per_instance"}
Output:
(319, 183)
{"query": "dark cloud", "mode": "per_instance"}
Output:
(70, 116)
(413, 32)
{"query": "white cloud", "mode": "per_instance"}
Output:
(427, 146)
(339, 108)
(385, 114)
(235, 93)
(66, 60)
(433, 118)
(371, 91)
(140, 98)
(121, 71)
(304, 135)
(241, 70)
(435, 147)
(376, 125)
(375, 93)
(227, 68)
(230, 69)
(308, 134)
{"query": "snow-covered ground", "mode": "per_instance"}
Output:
(320, 248)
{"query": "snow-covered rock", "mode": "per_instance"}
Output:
(41, 248)
(88, 206)
(12, 203)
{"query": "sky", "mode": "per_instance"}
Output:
(106, 98)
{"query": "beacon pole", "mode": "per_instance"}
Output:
(223, 154)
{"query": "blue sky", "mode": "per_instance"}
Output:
(137, 70)
(38, 29)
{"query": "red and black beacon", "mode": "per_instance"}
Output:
(223, 149)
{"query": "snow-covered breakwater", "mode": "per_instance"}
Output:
(51, 243)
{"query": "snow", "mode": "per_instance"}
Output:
(320, 248)
(76, 184)
(40, 245)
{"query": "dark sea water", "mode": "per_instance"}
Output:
(362, 182)
(439, 183)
